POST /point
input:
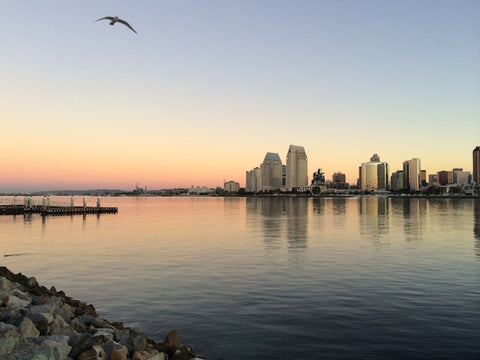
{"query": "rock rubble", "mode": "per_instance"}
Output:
(43, 324)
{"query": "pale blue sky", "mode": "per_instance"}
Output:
(217, 84)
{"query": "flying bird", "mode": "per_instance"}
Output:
(114, 19)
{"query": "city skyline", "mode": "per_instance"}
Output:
(204, 90)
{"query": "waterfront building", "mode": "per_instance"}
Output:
(253, 180)
(374, 174)
(199, 190)
(432, 179)
(231, 186)
(284, 176)
(396, 183)
(297, 167)
(271, 172)
(423, 176)
(339, 181)
(412, 175)
(476, 165)
(461, 177)
(318, 178)
(442, 177)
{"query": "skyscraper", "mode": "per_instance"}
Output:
(297, 167)
(374, 174)
(476, 165)
(271, 172)
(412, 175)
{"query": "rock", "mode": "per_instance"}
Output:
(135, 342)
(6, 284)
(119, 354)
(145, 355)
(80, 344)
(45, 324)
(95, 352)
(58, 342)
(12, 301)
(9, 338)
(47, 308)
(78, 325)
(41, 322)
(173, 339)
(28, 329)
(32, 282)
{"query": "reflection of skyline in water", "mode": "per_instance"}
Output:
(291, 222)
(476, 225)
(282, 217)
(374, 217)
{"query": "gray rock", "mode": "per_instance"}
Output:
(135, 342)
(41, 322)
(78, 325)
(47, 308)
(101, 323)
(61, 344)
(27, 328)
(9, 338)
(12, 301)
(36, 352)
(32, 282)
(6, 284)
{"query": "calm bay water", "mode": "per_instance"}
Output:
(270, 278)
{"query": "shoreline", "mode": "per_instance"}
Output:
(46, 323)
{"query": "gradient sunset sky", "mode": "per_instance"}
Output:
(207, 88)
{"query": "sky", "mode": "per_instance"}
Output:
(207, 88)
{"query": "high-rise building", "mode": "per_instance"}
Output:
(339, 181)
(297, 167)
(412, 178)
(461, 177)
(374, 174)
(318, 178)
(253, 180)
(423, 176)
(396, 183)
(271, 172)
(442, 177)
(476, 165)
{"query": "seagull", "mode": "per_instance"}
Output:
(114, 19)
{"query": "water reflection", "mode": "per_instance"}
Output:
(297, 224)
(374, 217)
(476, 225)
(280, 218)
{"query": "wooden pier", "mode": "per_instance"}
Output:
(28, 207)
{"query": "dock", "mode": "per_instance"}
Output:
(55, 210)
(58, 209)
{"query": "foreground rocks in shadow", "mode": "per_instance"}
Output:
(38, 323)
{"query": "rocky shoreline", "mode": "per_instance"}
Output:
(45, 324)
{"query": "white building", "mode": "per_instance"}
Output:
(297, 167)
(271, 172)
(412, 175)
(231, 186)
(374, 174)
(253, 180)
(199, 190)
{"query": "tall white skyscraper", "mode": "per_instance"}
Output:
(297, 167)
(412, 175)
(271, 172)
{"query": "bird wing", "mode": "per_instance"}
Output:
(105, 18)
(127, 24)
